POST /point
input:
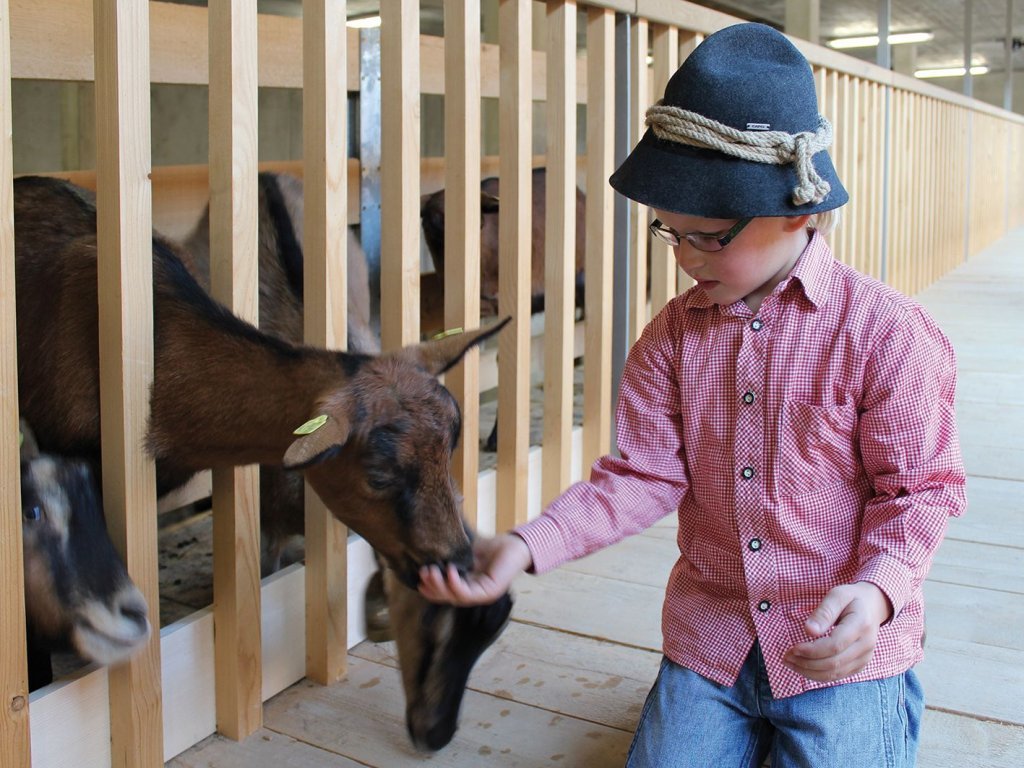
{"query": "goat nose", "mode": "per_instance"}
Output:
(133, 608)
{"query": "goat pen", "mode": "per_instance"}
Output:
(934, 178)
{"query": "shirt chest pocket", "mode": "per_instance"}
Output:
(817, 447)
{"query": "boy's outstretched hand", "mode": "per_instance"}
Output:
(498, 562)
(853, 613)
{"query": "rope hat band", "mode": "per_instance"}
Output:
(737, 133)
(773, 147)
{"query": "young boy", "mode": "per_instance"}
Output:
(796, 415)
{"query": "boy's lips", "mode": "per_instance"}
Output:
(707, 284)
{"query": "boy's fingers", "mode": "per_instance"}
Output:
(827, 613)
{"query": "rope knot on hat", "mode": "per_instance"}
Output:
(774, 147)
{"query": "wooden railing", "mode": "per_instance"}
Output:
(934, 178)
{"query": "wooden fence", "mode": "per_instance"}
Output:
(934, 178)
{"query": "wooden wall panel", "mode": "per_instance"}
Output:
(14, 712)
(325, 321)
(124, 267)
(559, 250)
(400, 167)
(665, 43)
(514, 220)
(597, 385)
(462, 224)
(234, 282)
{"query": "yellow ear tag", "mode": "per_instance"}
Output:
(312, 425)
(443, 334)
(21, 439)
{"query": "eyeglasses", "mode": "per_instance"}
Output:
(714, 241)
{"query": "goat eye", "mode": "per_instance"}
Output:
(378, 481)
(33, 513)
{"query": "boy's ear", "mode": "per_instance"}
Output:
(793, 223)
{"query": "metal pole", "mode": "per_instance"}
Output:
(369, 159)
(1008, 59)
(968, 42)
(884, 55)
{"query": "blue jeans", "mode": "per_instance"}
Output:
(689, 721)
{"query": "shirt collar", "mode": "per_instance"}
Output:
(811, 272)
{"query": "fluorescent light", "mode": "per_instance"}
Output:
(870, 41)
(365, 22)
(977, 69)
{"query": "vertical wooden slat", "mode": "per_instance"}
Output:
(124, 267)
(514, 221)
(400, 173)
(325, 320)
(688, 41)
(233, 281)
(663, 262)
(559, 248)
(462, 227)
(640, 90)
(878, 182)
(597, 359)
(855, 171)
(14, 718)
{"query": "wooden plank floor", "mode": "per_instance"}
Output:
(565, 683)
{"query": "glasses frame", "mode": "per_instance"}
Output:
(668, 235)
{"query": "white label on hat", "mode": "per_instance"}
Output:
(759, 126)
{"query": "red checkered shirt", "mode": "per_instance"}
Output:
(810, 445)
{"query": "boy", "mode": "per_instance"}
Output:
(797, 416)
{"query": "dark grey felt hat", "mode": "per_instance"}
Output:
(749, 93)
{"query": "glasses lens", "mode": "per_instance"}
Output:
(704, 242)
(663, 233)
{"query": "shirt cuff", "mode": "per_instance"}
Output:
(544, 539)
(890, 576)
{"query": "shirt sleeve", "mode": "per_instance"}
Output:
(628, 493)
(911, 453)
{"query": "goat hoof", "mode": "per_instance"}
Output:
(378, 617)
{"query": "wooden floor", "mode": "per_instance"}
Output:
(565, 683)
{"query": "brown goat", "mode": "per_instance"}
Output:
(226, 394)
(432, 214)
(78, 594)
(280, 269)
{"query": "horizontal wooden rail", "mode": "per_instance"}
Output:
(54, 42)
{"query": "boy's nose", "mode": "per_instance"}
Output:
(688, 258)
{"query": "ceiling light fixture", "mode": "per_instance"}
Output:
(364, 22)
(870, 41)
(977, 69)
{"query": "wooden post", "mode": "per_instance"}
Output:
(559, 248)
(597, 354)
(233, 281)
(325, 288)
(125, 268)
(514, 257)
(640, 90)
(663, 260)
(400, 174)
(462, 120)
(14, 731)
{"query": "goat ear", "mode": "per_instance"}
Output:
(440, 354)
(29, 446)
(318, 445)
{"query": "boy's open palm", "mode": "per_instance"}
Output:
(845, 627)
(498, 562)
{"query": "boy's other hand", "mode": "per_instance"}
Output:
(845, 627)
(498, 562)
